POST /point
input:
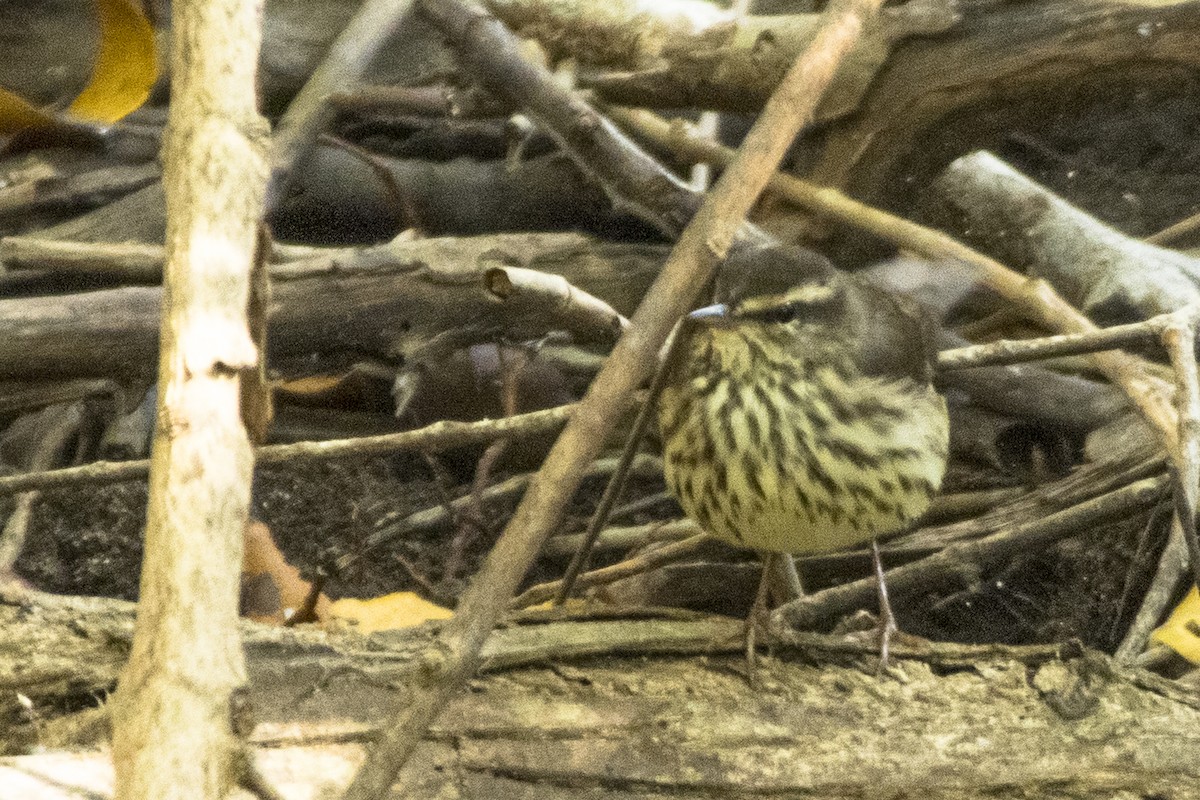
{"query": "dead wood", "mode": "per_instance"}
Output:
(498, 740)
(920, 112)
(953, 555)
(723, 64)
(1107, 274)
(411, 301)
(438, 436)
(342, 199)
(960, 565)
(706, 235)
(310, 112)
(126, 262)
(1034, 299)
(593, 722)
(95, 187)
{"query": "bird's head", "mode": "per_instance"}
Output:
(775, 284)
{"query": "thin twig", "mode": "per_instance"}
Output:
(438, 436)
(472, 521)
(426, 518)
(639, 564)
(963, 563)
(131, 262)
(522, 645)
(1172, 564)
(310, 112)
(1135, 574)
(616, 484)
(1175, 231)
(400, 202)
(1008, 351)
(1179, 340)
(624, 538)
(641, 504)
(1177, 334)
(60, 423)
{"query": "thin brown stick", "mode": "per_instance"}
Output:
(703, 243)
(616, 484)
(1009, 351)
(1175, 231)
(962, 563)
(438, 436)
(399, 202)
(638, 565)
(310, 112)
(624, 538)
(427, 518)
(1172, 564)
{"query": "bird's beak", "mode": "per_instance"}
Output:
(713, 313)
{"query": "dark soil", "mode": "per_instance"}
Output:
(318, 512)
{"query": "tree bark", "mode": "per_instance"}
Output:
(1005, 65)
(172, 729)
(389, 302)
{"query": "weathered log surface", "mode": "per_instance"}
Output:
(1108, 275)
(552, 726)
(389, 302)
(1000, 54)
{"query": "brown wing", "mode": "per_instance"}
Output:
(894, 336)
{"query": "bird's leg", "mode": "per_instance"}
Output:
(758, 611)
(887, 620)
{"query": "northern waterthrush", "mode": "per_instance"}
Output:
(798, 415)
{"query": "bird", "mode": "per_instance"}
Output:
(798, 413)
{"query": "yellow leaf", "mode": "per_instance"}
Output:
(398, 610)
(1181, 631)
(126, 64)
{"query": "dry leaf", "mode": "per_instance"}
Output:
(391, 611)
(1181, 631)
(125, 70)
(272, 589)
(126, 64)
